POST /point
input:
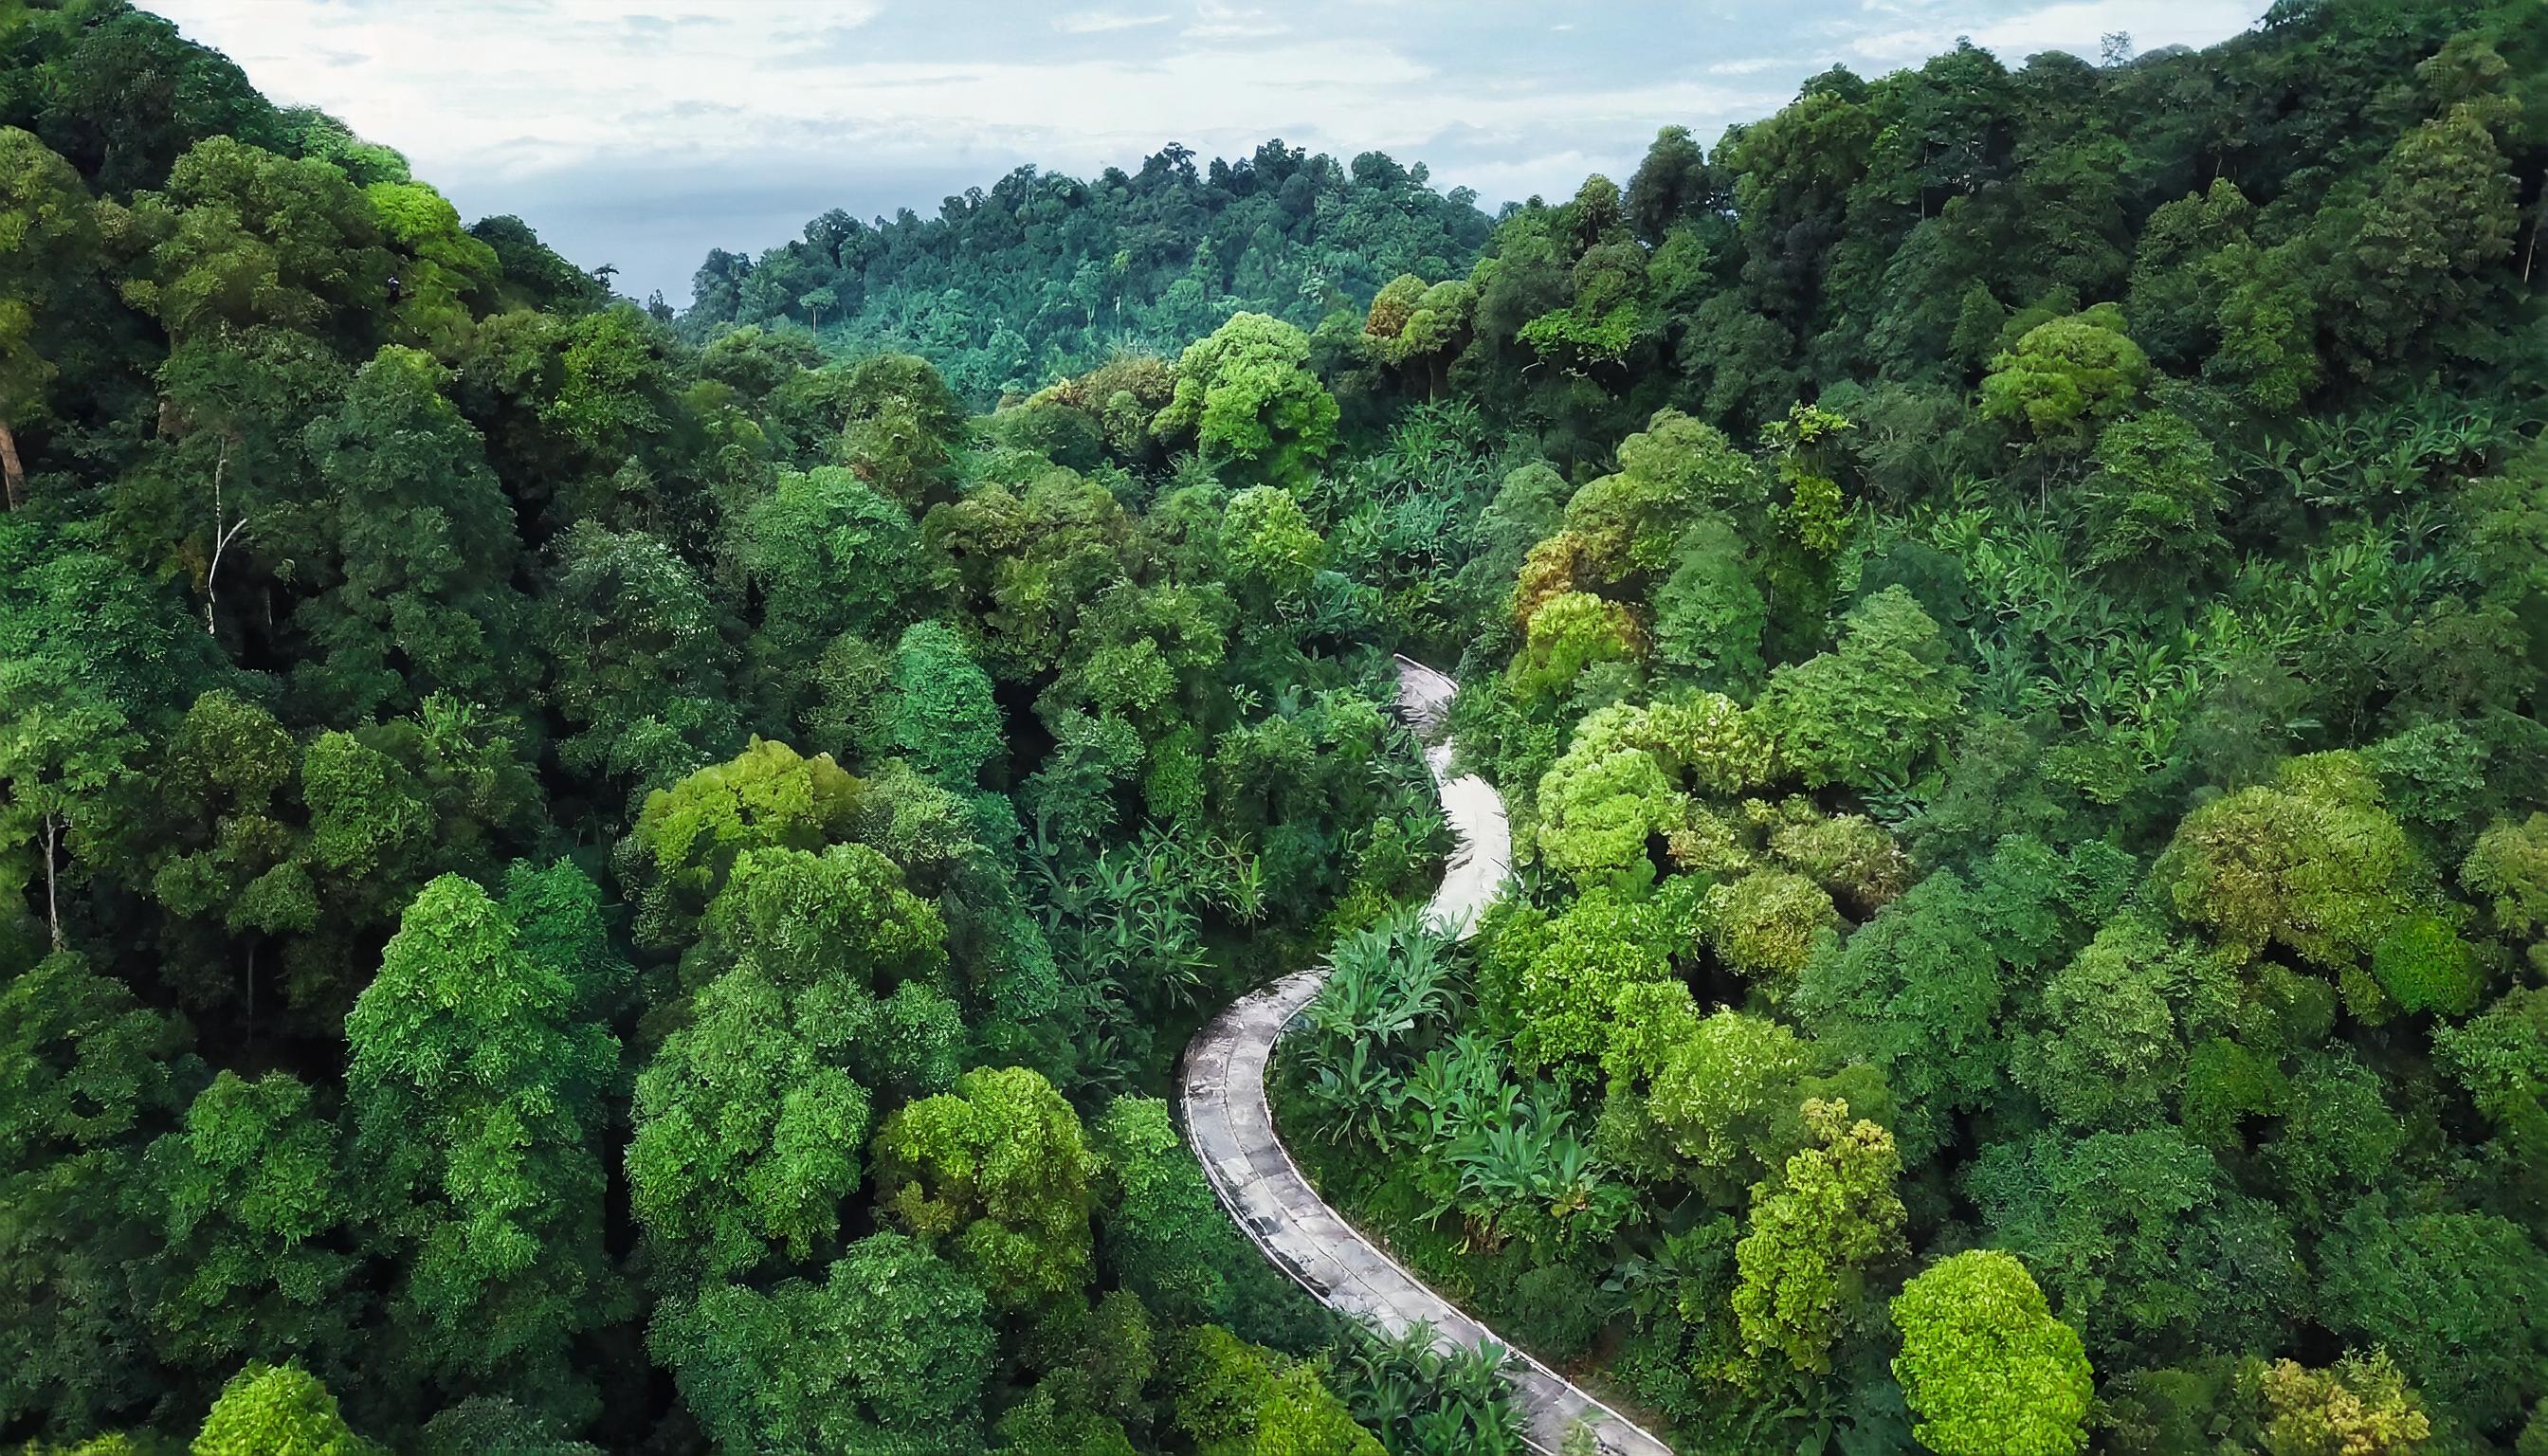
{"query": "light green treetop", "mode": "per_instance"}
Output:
(1246, 397)
(1984, 1366)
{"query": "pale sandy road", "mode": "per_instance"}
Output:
(1221, 1095)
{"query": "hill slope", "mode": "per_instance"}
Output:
(1043, 274)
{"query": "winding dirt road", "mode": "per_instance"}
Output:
(1221, 1094)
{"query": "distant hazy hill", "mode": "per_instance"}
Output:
(1045, 274)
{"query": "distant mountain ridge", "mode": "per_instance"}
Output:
(1044, 274)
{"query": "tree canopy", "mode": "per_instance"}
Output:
(587, 876)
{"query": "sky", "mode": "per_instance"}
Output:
(643, 132)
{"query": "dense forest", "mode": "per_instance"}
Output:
(586, 880)
(1046, 276)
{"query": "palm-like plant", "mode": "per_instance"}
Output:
(2386, 455)
(1522, 1172)
(1360, 1094)
(1384, 982)
(1128, 925)
(1450, 1090)
(1387, 986)
(1424, 1402)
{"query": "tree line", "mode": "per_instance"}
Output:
(1043, 274)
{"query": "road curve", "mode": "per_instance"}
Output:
(1221, 1094)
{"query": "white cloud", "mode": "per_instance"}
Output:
(1215, 20)
(693, 123)
(2077, 26)
(2080, 25)
(1100, 22)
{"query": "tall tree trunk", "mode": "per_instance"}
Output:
(52, 891)
(14, 473)
(2538, 214)
(221, 539)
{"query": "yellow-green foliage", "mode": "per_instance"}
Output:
(2359, 1406)
(1984, 1366)
(2310, 862)
(1816, 1227)
(1247, 399)
(1599, 804)
(1765, 926)
(997, 1174)
(1567, 633)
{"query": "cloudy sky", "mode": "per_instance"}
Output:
(641, 132)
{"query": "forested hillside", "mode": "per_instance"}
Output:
(2021, 700)
(1046, 275)
(580, 881)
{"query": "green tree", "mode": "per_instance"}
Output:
(474, 1095)
(827, 553)
(277, 1410)
(391, 805)
(1709, 613)
(997, 1172)
(48, 288)
(889, 1353)
(1418, 328)
(1269, 542)
(639, 659)
(1816, 1228)
(801, 919)
(251, 1203)
(494, 1424)
(442, 269)
(2141, 1240)
(2507, 871)
(2500, 1057)
(2360, 1407)
(2311, 862)
(2443, 208)
(2066, 377)
(2424, 965)
(245, 236)
(87, 1072)
(61, 757)
(1765, 926)
(688, 837)
(747, 1131)
(1233, 1398)
(97, 659)
(1549, 983)
(1567, 633)
(1923, 990)
(559, 922)
(751, 1119)
(1984, 1365)
(2460, 1301)
(2112, 1044)
(2338, 1136)
(416, 590)
(945, 720)
(1855, 861)
(218, 837)
(1875, 708)
(900, 427)
(1598, 809)
(1673, 474)
(1247, 399)
(1164, 1236)
(1725, 1092)
(2157, 496)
